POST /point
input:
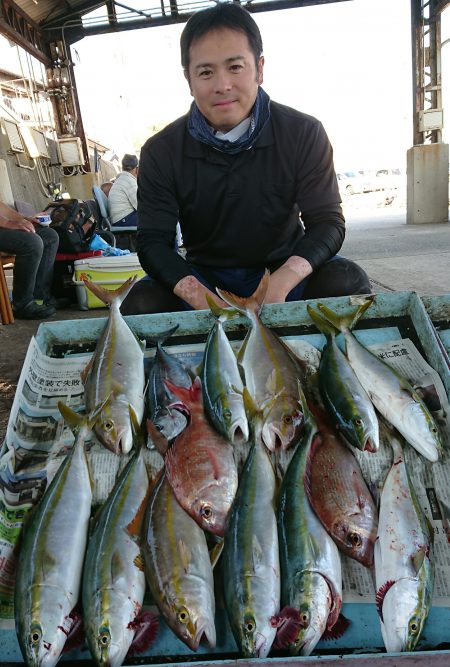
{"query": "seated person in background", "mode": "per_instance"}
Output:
(251, 182)
(35, 248)
(106, 187)
(122, 197)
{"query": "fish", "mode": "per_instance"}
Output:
(117, 370)
(269, 369)
(114, 584)
(392, 395)
(342, 393)
(250, 559)
(221, 381)
(51, 556)
(200, 465)
(178, 568)
(167, 420)
(404, 559)
(311, 575)
(339, 494)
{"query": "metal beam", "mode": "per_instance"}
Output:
(176, 15)
(21, 29)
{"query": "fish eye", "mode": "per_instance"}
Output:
(413, 627)
(227, 413)
(250, 625)
(183, 616)
(287, 419)
(35, 636)
(358, 421)
(206, 511)
(104, 639)
(304, 619)
(108, 425)
(354, 539)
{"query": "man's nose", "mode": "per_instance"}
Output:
(222, 81)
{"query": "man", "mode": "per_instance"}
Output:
(106, 187)
(123, 194)
(35, 248)
(251, 182)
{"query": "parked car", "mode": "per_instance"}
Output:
(384, 179)
(350, 182)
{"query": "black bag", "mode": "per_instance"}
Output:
(75, 224)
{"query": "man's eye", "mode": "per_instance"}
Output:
(236, 68)
(205, 73)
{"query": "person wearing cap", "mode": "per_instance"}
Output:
(123, 194)
(251, 182)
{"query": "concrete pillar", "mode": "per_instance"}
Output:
(427, 184)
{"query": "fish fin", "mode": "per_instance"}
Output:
(185, 554)
(418, 558)
(325, 326)
(257, 553)
(117, 388)
(48, 563)
(215, 553)
(252, 303)
(117, 567)
(139, 562)
(147, 626)
(271, 383)
(380, 595)
(186, 396)
(134, 528)
(109, 296)
(337, 630)
(76, 637)
(160, 339)
(249, 403)
(346, 321)
(288, 623)
(73, 419)
(159, 439)
(313, 546)
(86, 370)
(316, 442)
(221, 314)
(138, 436)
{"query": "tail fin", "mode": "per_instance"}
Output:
(110, 296)
(347, 321)
(186, 396)
(252, 303)
(160, 339)
(76, 421)
(221, 314)
(326, 327)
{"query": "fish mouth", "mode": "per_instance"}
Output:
(204, 628)
(259, 645)
(124, 441)
(273, 439)
(239, 431)
(370, 445)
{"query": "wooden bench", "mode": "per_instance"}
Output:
(6, 313)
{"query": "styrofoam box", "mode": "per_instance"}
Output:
(109, 272)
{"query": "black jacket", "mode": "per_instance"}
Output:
(239, 210)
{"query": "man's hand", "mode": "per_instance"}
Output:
(193, 292)
(22, 225)
(288, 276)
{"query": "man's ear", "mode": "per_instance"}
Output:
(260, 70)
(186, 76)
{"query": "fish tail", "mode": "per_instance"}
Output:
(185, 395)
(252, 303)
(111, 296)
(325, 326)
(138, 436)
(160, 339)
(76, 421)
(342, 323)
(221, 314)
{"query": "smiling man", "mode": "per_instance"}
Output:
(251, 182)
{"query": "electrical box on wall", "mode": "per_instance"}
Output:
(35, 142)
(70, 152)
(13, 134)
(431, 119)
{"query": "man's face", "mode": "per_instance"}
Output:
(223, 77)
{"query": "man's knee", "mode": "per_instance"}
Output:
(340, 277)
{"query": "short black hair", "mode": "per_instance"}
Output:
(129, 162)
(224, 15)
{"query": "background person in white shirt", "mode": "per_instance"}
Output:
(123, 194)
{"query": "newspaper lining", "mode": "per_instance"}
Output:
(37, 438)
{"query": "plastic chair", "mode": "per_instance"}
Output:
(6, 314)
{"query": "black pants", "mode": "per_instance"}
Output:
(338, 277)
